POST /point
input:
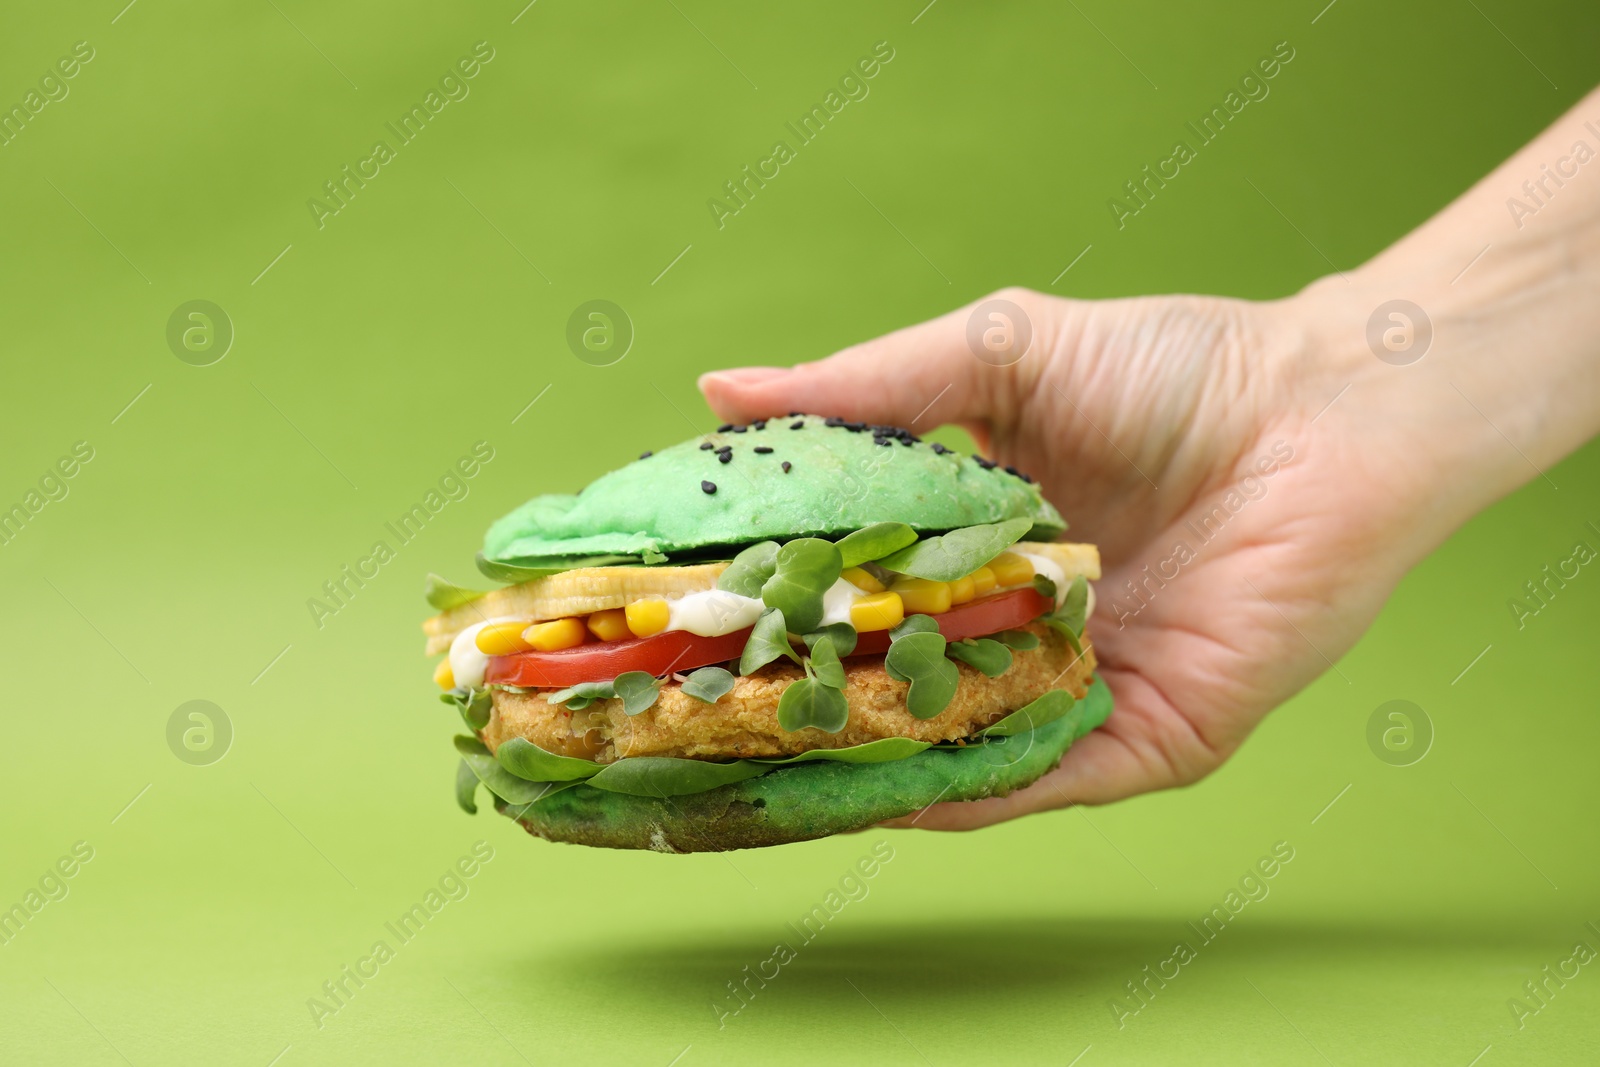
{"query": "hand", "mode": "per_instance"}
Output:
(1152, 424)
(1258, 476)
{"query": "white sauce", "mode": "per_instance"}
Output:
(712, 612)
(467, 663)
(837, 600)
(1049, 568)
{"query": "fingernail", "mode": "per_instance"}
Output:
(744, 375)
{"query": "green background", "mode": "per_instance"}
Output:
(427, 314)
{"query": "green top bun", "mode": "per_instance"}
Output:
(797, 476)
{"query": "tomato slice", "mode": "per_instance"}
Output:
(679, 651)
(977, 618)
(675, 650)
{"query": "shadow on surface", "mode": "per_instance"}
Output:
(952, 968)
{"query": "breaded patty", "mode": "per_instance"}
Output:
(744, 723)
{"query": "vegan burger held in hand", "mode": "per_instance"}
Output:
(776, 632)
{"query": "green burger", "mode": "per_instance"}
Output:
(771, 633)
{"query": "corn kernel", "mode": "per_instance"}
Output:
(443, 677)
(983, 582)
(647, 617)
(862, 579)
(502, 639)
(554, 636)
(921, 596)
(962, 590)
(1011, 569)
(880, 611)
(610, 625)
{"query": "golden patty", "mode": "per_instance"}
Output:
(745, 721)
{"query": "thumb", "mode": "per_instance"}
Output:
(923, 375)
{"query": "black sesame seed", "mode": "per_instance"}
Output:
(1011, 470)
(646, 455)
(760, 424)
(939, 449)
(724, 457)
(797, 426)
(740, 429)
(762, 450)
(725, 427)
(786, 466)
(705, 446)
(855, 427)
(708, 488)
(833, 421)
(1026, 478)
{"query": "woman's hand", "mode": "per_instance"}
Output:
(1258, 476)
(1187, 437)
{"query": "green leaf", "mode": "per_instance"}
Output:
(825, 663)
(983, 654)
(808, 702)
(1074, 606)
(466, 788)
(769, 639)
(580, 696)
(750, 570)
(842, 634)
(874, 542)
(806, 568)
(957, 553)
(524, 570)
(1047, 709)
(709, 684)
(1068, 620)
(914, 624)
(1021, 640)
(665, 776)
(527, 760)
(930, 695)
(1044, 586)
(918, 658)
(638, 691)
(883, 750)
(473, 704)
(501, 782)
(443, 595)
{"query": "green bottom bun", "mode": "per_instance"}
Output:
(806, 800)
